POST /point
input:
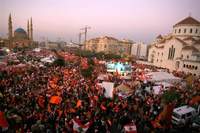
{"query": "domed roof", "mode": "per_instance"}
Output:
(20, 30)
(188, 20)
(20, 35)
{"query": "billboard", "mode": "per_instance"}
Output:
(121, 67)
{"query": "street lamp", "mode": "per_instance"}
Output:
(79, 83)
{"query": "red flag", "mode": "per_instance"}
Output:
(195, 100)
(3, 121)
(160, 117)
(40, 101)
(22, 128)
(168, 115)
(102, 107)
(109, 122)
(55, 80)
(78, 104)
(85, 67)
(55, 99)
(142, 77)
(117, 72)
(49, 109)
(96, 98)
(156, 124)
(137, 99)
(60, 113)
(72, 110)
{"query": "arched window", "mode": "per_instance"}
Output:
(184, 65)
(179, 31)
(190, 30)
(184, 30)
(189, 65)
(187, 56)
(196, 67)
(196, 31)
(171, 52)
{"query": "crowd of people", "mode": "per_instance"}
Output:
(47, 99)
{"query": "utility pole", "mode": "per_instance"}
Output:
(84, 47)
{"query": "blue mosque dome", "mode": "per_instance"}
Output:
(20, 35)
(20, 30)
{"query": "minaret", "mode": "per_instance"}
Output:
(9, 28)
(31, 30)
(28, 28)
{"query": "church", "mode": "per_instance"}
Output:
(180, 50)
(21, 39)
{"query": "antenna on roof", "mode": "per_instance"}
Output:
(190, 14)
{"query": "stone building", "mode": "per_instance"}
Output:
(21, 39)
(181, 50)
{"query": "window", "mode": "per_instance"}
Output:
(184, 30)
(196, 67)
(181, 56)
(171, 52)
(158, 53)
(157, 60)
(175, 31)
(162, 54)
(184, 65)
(190, 30)
(160, 60)
(189, 65)
(196, 31)
(187, 56)
(179, 31)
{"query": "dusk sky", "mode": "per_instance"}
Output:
(137, 20)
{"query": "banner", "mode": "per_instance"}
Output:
(109, 86)
(78, 127)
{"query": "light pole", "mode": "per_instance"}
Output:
(79, 83)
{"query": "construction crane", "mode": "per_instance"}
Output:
(85, 34)
(59, 39)
(80, 36)
(43, 38)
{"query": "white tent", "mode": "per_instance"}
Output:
(165, 84)
(162, 77)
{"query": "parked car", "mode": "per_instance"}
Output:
(184, 114)
(196, 123)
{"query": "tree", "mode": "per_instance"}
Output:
(170, 96)
(60, 61)
(87, 73)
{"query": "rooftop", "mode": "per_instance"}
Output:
(188, 20)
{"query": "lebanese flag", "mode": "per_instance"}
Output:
(78, 127)
(3, 120)
(130, 128)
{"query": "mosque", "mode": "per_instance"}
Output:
(22, 39)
